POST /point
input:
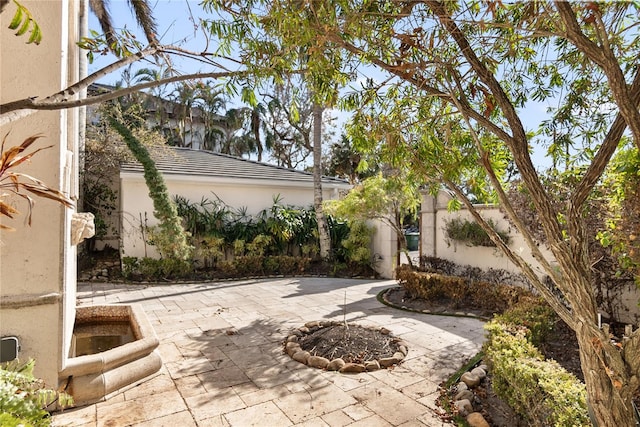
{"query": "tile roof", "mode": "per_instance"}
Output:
(189, 162)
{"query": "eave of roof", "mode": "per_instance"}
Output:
(186, 162)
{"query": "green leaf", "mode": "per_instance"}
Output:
(453, 205)
(23, 29)
(22, 20)
(249, 97)
(17, 19)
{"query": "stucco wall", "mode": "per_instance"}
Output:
(435, 243)
(253, 195)
(37, 263)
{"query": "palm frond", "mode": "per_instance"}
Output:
(101, 10)
(144, 16)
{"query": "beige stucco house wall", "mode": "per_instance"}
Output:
(37, 263)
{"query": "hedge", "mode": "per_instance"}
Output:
(539, 390)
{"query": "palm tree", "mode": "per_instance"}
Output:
(140, 8)
(156, 101)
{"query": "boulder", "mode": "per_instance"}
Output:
(292, 348)
(481, 373)
(464, 394)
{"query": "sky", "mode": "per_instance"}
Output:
(175, 27)
(177, 22)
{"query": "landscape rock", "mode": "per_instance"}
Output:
(481, 373)
(475, 419)
(318, 362)
(336, 364)
(471, 380)
(403, 349)
(388, 361)
(292, 348)
(464, 394)
(301, 356)
(462, 386)
(352, 368)
(464, 407)
(372, 365)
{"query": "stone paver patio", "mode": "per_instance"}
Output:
(223, 363)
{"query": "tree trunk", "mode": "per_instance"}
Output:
(607, 403)
(323, 226)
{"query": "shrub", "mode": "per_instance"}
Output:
(356, 245)
(534, 314)
(23, 398)
(458, 290)
(249, 265)
(472, 233)
(210, 249)
(541, 391)
(155, 269)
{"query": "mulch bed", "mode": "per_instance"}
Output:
(354, 343)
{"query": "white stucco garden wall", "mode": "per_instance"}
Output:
(436, 243)
(434, 217)
(254, 195)
(37, 262)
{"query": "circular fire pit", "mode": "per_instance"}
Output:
(347, 348)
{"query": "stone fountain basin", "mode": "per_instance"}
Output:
(90, 378)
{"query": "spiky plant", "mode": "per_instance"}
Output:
(20, 184)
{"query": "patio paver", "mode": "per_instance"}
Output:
(223, 364)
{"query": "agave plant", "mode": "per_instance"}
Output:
(20, 184)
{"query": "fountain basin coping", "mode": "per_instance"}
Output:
(92, 377)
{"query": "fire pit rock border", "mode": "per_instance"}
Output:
(293, 349)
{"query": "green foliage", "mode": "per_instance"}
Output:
(541, 391)
(376, 197)
(151, 269)
(22, 21)
(472, 233)
(23, 398)
(258, 246)
(357, 244)
(121, 43)
(211, 249)
(622, 232)
(533, 314)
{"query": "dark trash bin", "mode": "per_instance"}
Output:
(413, 241)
